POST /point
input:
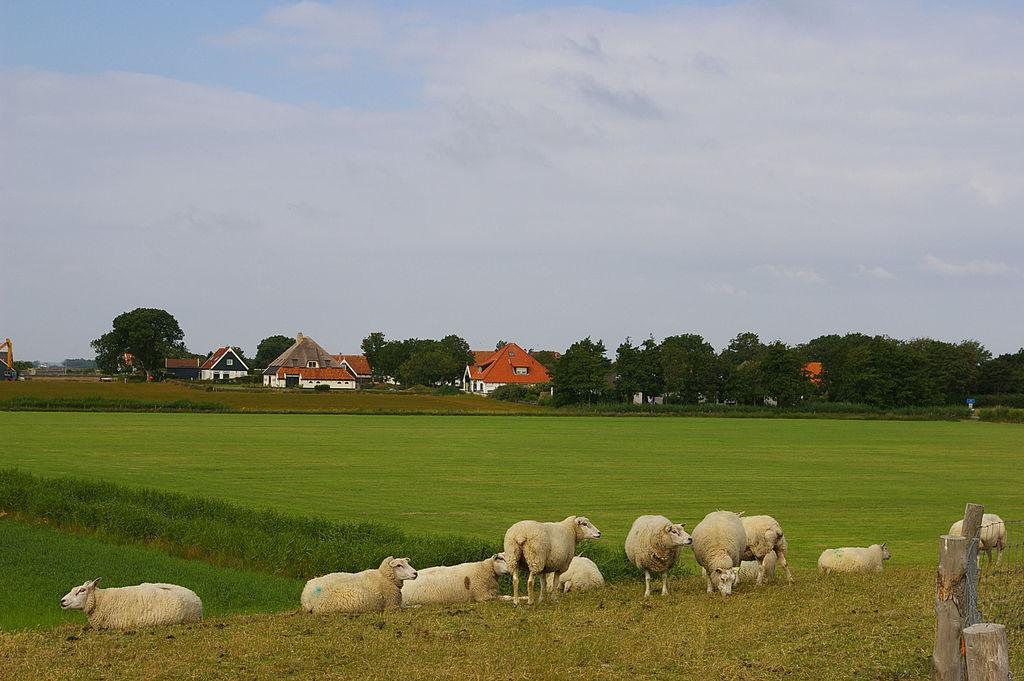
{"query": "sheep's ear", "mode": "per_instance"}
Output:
(668, 528)
(93, 583)
(883, 545)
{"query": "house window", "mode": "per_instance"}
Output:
(327, 362)
(295, 362)
(231, 362)
(511, 353)
(522, 371)
(311, 364)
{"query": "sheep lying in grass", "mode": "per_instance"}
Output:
(582, 575)
(993, 536)
(467, 582)
(545, 548)
(853, 559)
(718, 544)
(130, 607)
(367, 591)
(764, 537)
(653, 545)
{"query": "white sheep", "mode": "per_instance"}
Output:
(582, 575)
(653, 545)
(367, 591)
(467, 582)
(853, 559)
(750, 570)
(130, 607)
(764, 537)
(993, 536)
(545, 548)
(718, 544)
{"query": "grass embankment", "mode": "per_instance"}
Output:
(830, 483)
(58, 395)
(877, 627)
(40, 564)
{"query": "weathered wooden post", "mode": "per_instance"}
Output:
(988, 655)
(947, 658)
(973, 515)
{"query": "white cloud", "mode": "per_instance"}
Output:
(802, 275)
(971, 268)
(876, 272)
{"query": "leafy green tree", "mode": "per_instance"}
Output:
(269, 349)
(372, 347)
(149, 335)
(689, 368)
(638, 369)
(546, 357)
(581, 374)
(422, 368)
(781, 374)
(457, 357)
(1002, 375)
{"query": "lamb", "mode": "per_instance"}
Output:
(465, 583)
(130, 607)
(993, 536)
(545, 548)
(853, 559)
(367, 591)
(582, 575)
(750, 570)
(718, 544)
(653, 545)
(764, 537)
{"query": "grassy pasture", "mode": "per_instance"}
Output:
(830, 483)
(40, 564)
(257, 400)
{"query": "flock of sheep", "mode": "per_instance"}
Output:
(729, 549)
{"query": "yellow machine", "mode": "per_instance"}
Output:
(9, 373)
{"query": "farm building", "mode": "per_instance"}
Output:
(336, 378)
(508, 364)
(358, 366)
(223, 364)
(186, 369)
(315, 363)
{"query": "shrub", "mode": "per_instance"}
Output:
(322, 388)
(1001, 415)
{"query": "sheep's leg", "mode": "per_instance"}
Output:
(553, 588)
(999, 555)
(515, 586)
(540, 597)
(707, 581)
(565, 587)
(529, 588)
(647, 583)
(664, 583)
(785, 566)
(760, 572)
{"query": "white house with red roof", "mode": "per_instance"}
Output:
(306, 365)
(358, 366)
(508, 364)
(223, 364)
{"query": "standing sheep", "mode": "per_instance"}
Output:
(653, 545)
(130, 607)
(367, 591)
(582, 575)
(764, 537)
(993, 536)
(853, 559)
(465, 583)
(544, 548)
(718, 544)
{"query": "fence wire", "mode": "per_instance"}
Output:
(1000, 582)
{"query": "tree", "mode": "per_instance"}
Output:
(638, 369)
(499, 345)
(269, 349)
(739, 369)
(689, 367)
(581, 373)
(1002, 375)
(546, 357)
(372, 347)
(148, 335)
(782, 375)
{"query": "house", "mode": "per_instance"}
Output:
(223, 364)
(508, 364)
(185, 369)
(358, 366)
(305, 353)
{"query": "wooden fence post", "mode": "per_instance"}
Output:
(973, 514)
(947, 657)
(988, 656)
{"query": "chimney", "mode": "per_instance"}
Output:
(298, 336)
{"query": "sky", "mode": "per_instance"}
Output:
(526, 171)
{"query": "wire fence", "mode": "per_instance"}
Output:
(1000, 577)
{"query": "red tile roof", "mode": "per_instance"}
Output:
(499, 366)
(186, 363)
(360, 365)
(215, 357)
(317, 374)
(813, 371)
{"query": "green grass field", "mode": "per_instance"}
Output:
(830, 483)
(39, 565)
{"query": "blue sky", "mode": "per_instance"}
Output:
(529, 171)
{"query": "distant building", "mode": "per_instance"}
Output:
(186, 369)
(358, 365)
(812, 370)
(304, 353)
(223, 364)
(508, 364)
(335, 378)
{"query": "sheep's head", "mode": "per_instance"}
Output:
(499, 564)
(723, 580)
(677, 536)
(885, 553)
(402, 569)
(77, 597)
(585, 529)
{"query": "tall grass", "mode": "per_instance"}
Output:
(808, 410)
(232, 536)
(1001, 415)
(31, 403)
